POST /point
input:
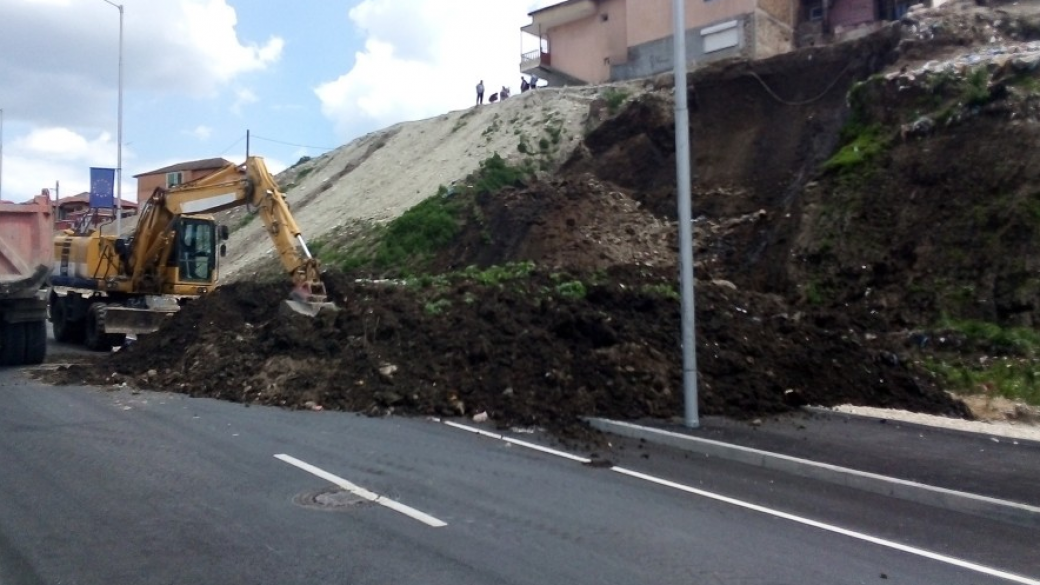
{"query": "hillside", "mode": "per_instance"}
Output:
(865, 233)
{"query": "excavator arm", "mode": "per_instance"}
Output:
(232, 186)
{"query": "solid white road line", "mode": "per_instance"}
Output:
(363, 493)
(518, 442)
(773, 512)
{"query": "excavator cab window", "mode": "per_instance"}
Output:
(196, 250)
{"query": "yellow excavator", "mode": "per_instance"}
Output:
(103, 287)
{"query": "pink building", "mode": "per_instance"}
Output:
(595, 41)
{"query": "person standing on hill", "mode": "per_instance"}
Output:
(480, 92)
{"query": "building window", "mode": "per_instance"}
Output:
(720, 36)
(816, 13)
(174, 179)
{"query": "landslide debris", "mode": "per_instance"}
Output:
(537, 349)
(848, 199)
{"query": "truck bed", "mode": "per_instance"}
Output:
(23, 286)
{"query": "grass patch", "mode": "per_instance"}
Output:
(1014, 379)
(1026, 82)
(862, 145)
(244, 221)
(495, 173)
(406, 245)
(668, 291)
(418, 233)
(614, 98)
(1013, 372)
(976, 90)
(1021, 341)
(571, 289)
(437, 307)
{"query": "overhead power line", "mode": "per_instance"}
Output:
(324, 148)
(237, 142)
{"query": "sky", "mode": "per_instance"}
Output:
(303, 76)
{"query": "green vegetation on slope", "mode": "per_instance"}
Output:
(405, 245)
(1012, 372)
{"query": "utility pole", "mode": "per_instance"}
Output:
(1, 153)
(683, 174)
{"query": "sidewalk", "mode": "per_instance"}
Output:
(968, 472)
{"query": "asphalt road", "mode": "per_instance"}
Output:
(109, 486)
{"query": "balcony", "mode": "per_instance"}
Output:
(532, 60)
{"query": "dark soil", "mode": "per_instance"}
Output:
(520, 352)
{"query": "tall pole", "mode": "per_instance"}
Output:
(119, 131)
(1, 153)
(683, 173)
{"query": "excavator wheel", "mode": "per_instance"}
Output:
(65, 331)
(96, 338)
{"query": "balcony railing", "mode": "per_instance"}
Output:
(533, 59)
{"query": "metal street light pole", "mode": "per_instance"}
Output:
(683, 173)
(1, 153)
(119, 131)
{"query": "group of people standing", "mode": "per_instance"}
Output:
(504, 92)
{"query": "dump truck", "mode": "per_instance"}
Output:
(105, 286)
(26, 230)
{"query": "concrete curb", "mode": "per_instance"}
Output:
(967, 503)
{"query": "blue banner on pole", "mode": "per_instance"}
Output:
(101, 181)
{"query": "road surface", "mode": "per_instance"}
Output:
(103, 486)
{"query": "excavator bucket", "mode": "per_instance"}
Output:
(308, 308)
(308, 300)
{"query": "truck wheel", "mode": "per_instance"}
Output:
(12, 344)
(65, 331)
(96, 338)
(35, 342)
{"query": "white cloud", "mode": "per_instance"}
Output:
(243, 97)
(46, 155)
(59, 61)
(59, 70)
(202, 132)
(64, 144)
(423, 58)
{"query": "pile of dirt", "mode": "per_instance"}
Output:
(525, 352)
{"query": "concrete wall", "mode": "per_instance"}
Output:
(651, 20)
(628, 39)
(772, 37)
(785, 11)
(655, 57)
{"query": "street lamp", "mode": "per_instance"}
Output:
(691, 416)
(1, 153)
(119, 131)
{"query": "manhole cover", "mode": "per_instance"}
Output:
(331, 498)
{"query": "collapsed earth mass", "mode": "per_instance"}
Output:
(847, 198)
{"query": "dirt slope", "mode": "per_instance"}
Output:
(379, 176)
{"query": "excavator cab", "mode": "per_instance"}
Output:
(195, 251)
